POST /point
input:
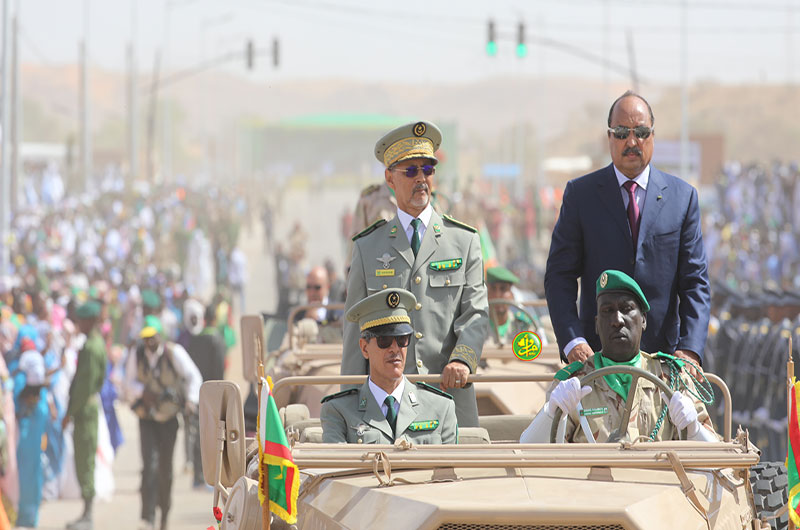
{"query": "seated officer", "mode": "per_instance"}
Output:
(620, 321)
(505, 318)
(388, 406)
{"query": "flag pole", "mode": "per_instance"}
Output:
(264, 472)
(789, 384)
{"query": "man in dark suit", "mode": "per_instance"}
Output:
(631, 217)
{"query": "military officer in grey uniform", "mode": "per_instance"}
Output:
(435, 257)
(388, 406)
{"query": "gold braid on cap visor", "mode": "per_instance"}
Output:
(408, 148)
(394, 319)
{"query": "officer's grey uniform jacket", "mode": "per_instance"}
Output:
(447, 279)
(426, 416)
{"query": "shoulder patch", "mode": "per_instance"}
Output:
(372, 188)
(433, 389)
(522, 317)
(371, 228)
(458, 223)
(339, 394)
(566, 372)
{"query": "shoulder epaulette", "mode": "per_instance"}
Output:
(458, 223)
(371, 228)
(433, 389)
(372, 188)
(566, 372)
(339, 394)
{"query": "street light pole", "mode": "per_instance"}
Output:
(5, 164)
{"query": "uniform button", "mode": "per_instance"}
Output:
(418, 335)
(633, 261)
(384, 286)
(418, 306)
(360, 441)
(447, 281)
(419, 364)
(417, 280)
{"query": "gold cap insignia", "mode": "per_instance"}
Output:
(419, 129)
(603, 280)
(393, 300)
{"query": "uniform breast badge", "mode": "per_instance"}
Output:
(386, 259)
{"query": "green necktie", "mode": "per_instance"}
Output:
(415, 242)
(391, 415)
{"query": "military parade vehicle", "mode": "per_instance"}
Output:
(488, 480)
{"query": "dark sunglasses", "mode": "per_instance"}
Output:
(310, 287)
(621, 133)
(385, 342)
(411, 171)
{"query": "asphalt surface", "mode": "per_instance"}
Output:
(191, 508)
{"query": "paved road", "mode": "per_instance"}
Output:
(191, 509)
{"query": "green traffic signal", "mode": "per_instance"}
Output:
(491, 49)
(522, 50)
(491, 40)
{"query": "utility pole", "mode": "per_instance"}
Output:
(16, 116)
(151, 122)
(133, 100)
(632, 60)
(5, 164)
(86, 138)
(684, 142)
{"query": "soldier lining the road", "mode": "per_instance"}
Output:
(437, 258)
(620, 321)
(83, 406)
(507, 320)
(387, 407)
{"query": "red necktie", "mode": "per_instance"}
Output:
(633, 211)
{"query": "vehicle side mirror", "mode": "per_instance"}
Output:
(222, 434)
(252, 328)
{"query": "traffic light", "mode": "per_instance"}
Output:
(249, 52)
(275, 51)
(522, 48)
(491, 43)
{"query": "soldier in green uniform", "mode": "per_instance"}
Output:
(84, 405)
(437, 258)
(620, 321)
(507, 320)
(388, 406)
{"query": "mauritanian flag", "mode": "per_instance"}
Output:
(793, 456)
(276, 459)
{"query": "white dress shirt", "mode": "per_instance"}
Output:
(380, 395)
(424, 216)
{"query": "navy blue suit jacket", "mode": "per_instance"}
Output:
(670, 265)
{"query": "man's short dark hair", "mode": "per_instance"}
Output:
(631, 93)
(367, 335)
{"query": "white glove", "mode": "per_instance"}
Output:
(566, 396)
(684, 416)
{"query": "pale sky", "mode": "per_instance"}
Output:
(730, 41)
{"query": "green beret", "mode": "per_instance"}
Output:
(500, 274)
(150, 299)
(90, 309)
(385, 312)
(152, 327)
(612, 280)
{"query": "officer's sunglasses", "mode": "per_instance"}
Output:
(411, 171)
(621, 132)
(385, 342)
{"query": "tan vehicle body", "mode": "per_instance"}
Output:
(497, 485)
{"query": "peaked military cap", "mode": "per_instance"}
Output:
(90, 309)
(612, 281)
(419, 139)
(500, 274)
(384, 313)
